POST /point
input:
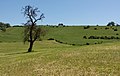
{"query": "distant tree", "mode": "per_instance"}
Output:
(97, 25)
(60, 24)
(32, 32)
(117, 25)
(7, 25)
(111, 23)
(3, 26)
(86, 27)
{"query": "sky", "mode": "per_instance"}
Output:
(68, 12)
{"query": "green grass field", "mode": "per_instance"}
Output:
(50, 58)
(53, 59)
(68, 35)
(13, 34)
(74, 34)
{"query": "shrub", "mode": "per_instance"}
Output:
(112, 37)
(85, 37)
(115, 29)
(106, 28)
(3, 28)
(87, 43)
(58, 41)
(117, 38)
(86, 27)
(60, 24)
(51, 39)
(102, 37)
(73, 44)
(95, 28)
(91, 37)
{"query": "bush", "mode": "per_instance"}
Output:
(106, 28)
(95, 43)
(51, 39)
(86, 27)
(58, 41)
(91, 37)
(85, 37)
(3, 29)
(112, 37)
(87, 43)
(115, 29)
(102, 37)
(95, 28)
(73, 44)
(117, 38)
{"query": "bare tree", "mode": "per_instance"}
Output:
(32, 32)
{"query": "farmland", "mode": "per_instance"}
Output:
(51, 58)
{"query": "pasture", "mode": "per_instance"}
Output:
(75, 34)
(51, 58)
(54, 59)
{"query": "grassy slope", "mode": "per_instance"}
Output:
(74, 34)
(54, 59)
(51, 58)
(13, 34)
(70, 35)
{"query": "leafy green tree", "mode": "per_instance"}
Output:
(32, 32)
(111, 23)
(3, 26)
(7, 25)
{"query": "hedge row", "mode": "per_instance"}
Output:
(87, 43)
(101, 37)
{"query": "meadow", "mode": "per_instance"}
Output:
(51, 58)
(74, 34)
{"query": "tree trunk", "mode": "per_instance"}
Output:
(30, 47)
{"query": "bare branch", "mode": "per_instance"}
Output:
(32, 32)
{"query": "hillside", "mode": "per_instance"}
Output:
(50, 58)
(12, 34)
(73, 35)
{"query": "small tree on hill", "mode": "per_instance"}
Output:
(32, 31)
(111, 23)
(3, 26)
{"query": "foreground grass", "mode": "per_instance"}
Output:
(53, 59)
